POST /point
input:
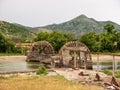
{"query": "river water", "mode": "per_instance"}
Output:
(19, 65)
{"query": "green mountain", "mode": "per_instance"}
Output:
(16, 32)
(81, 25)
(39, 29)
(78, 26)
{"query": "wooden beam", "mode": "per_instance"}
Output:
(113, 62)
(97, 62)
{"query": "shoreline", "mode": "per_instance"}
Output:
(102, 58)
(12, 58)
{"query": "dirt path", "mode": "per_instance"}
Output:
(12, 58)
(74, 74)
(94, 58)
(103, 58)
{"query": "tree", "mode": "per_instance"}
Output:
(92, 41)
(118, 41)
(6, 45)
(57, 39)
(2, 43)
(108, 39)
(42, 36)
(109, 28)
(70, 36)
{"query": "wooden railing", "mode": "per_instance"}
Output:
(109, 54)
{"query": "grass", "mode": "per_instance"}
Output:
(109, 72)
(41, 83)
(117, 74)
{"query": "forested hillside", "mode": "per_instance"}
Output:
(14, 32)
(77, 26)
(81, 25)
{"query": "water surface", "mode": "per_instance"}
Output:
(20, 65)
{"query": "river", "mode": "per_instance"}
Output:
(18, 63)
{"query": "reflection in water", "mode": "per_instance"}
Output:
(22, 65)
(18, 65)
(32, 65)
(106, 65)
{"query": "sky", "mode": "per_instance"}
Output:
(35, 13)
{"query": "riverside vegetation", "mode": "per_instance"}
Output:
(42, 70)
(107, 41)
(109, 72)
(99, 36)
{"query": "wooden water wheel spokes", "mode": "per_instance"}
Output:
(77, 54)
(40, 50)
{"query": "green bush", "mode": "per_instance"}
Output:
(42, 70)
(108, 72)
(117, 74)
(2, 77)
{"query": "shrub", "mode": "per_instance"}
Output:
(2, 77)
(117, 74)
(42, 70)
(108, 72)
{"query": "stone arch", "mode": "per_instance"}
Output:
(75, 54)
(39, 51)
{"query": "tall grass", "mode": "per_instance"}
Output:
(117, 74)
(109, 72)
(41, 83)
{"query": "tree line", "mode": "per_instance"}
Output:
(8, 46)
(107, 41)
(57, 39)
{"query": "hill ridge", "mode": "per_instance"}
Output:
(81, 25)
(78, 26)
(16, 33)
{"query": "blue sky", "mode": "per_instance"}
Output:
(43, 12)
